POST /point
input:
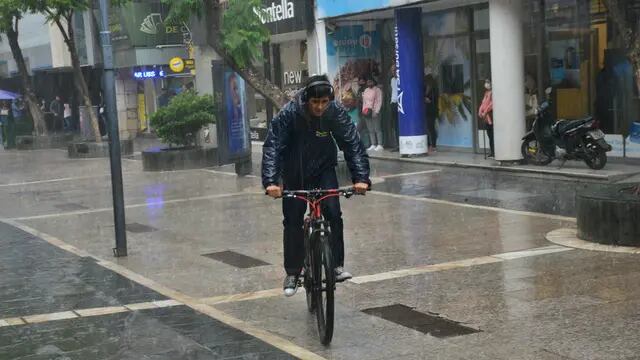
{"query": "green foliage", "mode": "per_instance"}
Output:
(242, 31)
(179, 122)
(10, 10)
(182, 10)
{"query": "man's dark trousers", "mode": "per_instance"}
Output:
(294, 211)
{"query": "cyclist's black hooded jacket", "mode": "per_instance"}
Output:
(300, 147)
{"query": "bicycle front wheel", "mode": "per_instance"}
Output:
(325, 282)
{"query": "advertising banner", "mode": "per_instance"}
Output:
(352, 52)
(410, 63)
(234, 138)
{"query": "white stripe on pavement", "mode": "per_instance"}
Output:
(133, 206)
(423, 269)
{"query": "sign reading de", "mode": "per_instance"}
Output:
(144, 24)
(283, 16)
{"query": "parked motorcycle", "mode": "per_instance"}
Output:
(564, 140)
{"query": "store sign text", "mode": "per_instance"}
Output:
(153, 74)
(292, 77)
(285, 10)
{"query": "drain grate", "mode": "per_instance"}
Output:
(140, 228)
(70, 207)
(433, 325)
(236, 259)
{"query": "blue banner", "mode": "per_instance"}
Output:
(410, 63)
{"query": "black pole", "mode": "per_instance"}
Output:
(109, 94)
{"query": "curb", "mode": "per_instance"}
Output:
(569, 238)
(570, 175)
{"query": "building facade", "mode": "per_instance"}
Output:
(522, 46)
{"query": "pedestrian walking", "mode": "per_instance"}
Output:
(371, 105)
(431, 99)
(4, 121)
(17, 108)
(486, 114)
(68, 123)
(56, 108)
(361, 125)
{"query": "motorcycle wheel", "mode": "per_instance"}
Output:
(532, 153)
(597, 162)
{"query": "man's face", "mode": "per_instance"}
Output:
(370, 83)
(317, 106)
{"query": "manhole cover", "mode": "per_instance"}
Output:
(236, 259)
(433, 325)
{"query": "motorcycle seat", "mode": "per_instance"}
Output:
(564, 126)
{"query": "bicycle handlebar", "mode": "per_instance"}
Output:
(347, 193)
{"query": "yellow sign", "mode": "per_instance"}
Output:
(176, 65)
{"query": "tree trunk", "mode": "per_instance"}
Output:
(30, 97)
(81, 84)
(213, 17)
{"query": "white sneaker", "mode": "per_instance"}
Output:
(379, 148)
(342, 275)
(290, 285)
(371, 148)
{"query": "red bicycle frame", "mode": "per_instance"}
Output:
(315, 198)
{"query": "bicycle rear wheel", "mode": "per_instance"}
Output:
(324, 286)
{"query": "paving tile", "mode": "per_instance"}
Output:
(39, 278)
(168, 333)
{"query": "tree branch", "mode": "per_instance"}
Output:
(63, 31)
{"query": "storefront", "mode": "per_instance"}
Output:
(144, 48)
(286, 59)
(566, 44)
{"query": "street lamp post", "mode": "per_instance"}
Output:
(109, 94)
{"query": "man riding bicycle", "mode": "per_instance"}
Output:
(300, 154)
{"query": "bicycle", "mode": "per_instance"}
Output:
(318, 272)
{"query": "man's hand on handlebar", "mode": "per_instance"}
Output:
(274, 191)
(361, 188)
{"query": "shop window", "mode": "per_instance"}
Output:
(481, 19)
(446, 23)
(452, 78)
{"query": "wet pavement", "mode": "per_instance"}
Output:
(433, 248)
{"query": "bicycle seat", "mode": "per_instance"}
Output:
(563, 127)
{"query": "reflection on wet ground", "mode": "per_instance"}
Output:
(489, 269)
